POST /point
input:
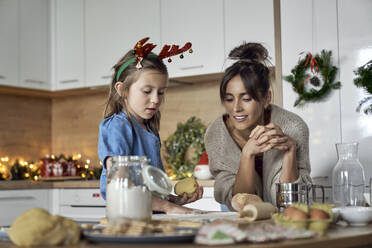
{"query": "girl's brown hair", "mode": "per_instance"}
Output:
(115, 103)
(251, 68)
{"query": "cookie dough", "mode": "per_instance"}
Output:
(188, 185)
(37, 227)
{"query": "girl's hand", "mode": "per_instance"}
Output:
(185, 199)
(177, 209)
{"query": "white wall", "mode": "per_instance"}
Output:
(345, 27)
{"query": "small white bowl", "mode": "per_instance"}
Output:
(356, 216)
(336, 214)
(201, 171)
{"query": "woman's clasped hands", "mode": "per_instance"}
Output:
(266, 137)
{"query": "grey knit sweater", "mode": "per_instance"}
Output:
(224, 156)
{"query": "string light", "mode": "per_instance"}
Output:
(172, 177)
(31, 171)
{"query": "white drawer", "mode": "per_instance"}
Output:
(81, 197)
(15, 202)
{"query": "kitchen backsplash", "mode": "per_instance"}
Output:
(31, 127)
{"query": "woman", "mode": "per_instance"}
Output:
(255, 144)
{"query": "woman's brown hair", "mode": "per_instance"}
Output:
(115, 103)
(251, 69)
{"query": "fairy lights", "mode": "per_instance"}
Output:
(20, 169)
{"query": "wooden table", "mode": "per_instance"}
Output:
(338, 236)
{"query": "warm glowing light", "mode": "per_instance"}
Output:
(78, 166)
(27, 175)
(31, 166)
(76, 157)
(172, 177)
(88, 161)
(83, 175)
(86, 166)
(52, 156)
(36, 178)
(189, 174)
(91, 172)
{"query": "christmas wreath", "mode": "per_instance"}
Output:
(319, 89)
(184, 148)
(364, 80)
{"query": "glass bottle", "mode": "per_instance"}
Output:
(348, 176)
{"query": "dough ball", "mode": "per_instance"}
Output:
(37, 227)
(188, 185)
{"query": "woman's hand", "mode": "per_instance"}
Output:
(272, 137)
(185, 199)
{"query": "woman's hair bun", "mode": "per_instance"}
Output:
(250, 51)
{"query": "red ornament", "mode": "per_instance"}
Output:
(169, 60)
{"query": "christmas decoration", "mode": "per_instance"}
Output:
(187, 139)
(318, 65)
(364, 80)
(142, 50)
(49, 167)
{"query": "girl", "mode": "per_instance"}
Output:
(132, 117)
(255, 144)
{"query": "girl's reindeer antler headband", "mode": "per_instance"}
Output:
(142, 50)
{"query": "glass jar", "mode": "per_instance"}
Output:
(348, 176)
(130, 182)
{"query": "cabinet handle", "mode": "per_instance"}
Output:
(106, 77)
(16, 198)
(88, 206)
(69, 81)
(34, 81)
(2, 77)
(192, 67)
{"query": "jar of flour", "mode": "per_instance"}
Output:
(131, 182)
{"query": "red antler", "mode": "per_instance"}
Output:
(169, 51)
(143, 50)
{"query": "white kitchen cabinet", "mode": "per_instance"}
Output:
(249, 21)
(33, 44)
(201, 23)
(111, 29)
(44, 44)
(355, 46)
(67, 43)
(15, 202)
(84, 205)
(310, 26)
(8, 42)
(344, 28)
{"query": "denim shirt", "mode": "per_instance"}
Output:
(118, 137)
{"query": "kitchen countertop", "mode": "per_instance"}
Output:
(338, 236)
(88, 184)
